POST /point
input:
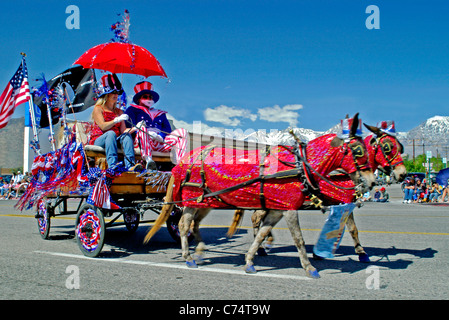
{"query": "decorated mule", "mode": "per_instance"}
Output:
(275, 180)
(384, 153)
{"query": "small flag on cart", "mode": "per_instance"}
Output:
(16, 92)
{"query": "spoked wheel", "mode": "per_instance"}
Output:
(90, 230)
(43, 219)
(172, 225)
(132, 218)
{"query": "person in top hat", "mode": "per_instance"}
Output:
(154, 131)
(109, 127)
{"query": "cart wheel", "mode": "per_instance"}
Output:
(43, 219)
(172, 225)
(90, 230)
(132, 219)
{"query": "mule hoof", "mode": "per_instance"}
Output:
(261, 252)
(198, 259)
(313, 274)
(268, 247)
(191, 264)
(363, 257)
(250, 269)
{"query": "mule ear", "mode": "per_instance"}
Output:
(355, 124)
(373, 129)
(337, 142)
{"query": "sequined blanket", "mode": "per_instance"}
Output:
(220, 168)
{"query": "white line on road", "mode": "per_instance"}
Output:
(175, 266)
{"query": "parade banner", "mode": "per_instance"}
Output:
(77, 82)
(333, 230)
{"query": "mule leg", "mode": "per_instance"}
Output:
(291, 217)
(201, 246)
(350, 223)
(184, 227)
(256, 219)
(272, 217)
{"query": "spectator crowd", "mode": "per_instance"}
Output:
(417, 191)
(14, 188)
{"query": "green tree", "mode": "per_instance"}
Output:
(420, 164)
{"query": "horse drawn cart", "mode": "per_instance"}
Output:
(75, 173)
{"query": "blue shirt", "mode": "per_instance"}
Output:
(153, 118)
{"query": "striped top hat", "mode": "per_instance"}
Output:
(346, 125)
(142, 88)
(110, 84)
(387, 127)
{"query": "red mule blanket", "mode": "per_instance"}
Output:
(224, 167)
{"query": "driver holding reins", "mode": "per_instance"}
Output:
(154, 131)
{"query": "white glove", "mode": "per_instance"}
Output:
(123, 117)
(141, 124)
(155, 136)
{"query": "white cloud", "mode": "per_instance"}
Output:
(228, 115)
(277, 114)
(196, 127)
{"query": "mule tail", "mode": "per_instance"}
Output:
(236, 221)
(165, 212)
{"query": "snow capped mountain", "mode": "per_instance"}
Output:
(430, 135)
(283, 137)
(433, 129)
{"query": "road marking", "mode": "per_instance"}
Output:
(176, 266)
(360, 231)
(249, 227)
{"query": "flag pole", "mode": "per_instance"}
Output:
(46, 101)
(52, 134)
(26, 140)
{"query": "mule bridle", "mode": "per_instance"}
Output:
(385, 153)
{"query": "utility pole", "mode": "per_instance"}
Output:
(413, 151)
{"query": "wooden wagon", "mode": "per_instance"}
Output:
(135, 193)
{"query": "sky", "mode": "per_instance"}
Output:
(256, 64)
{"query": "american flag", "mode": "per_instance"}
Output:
(16, 92)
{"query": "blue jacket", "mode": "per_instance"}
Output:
(154, 118)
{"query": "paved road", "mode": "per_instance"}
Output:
(407, 244)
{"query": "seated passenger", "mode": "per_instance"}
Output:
(153, 129)
(109, 129)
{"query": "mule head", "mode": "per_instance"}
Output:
(355, 161)
(356, 164)
(386, 153)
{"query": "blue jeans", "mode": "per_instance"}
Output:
(108, 141)
(408, 194)
(434, 195)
